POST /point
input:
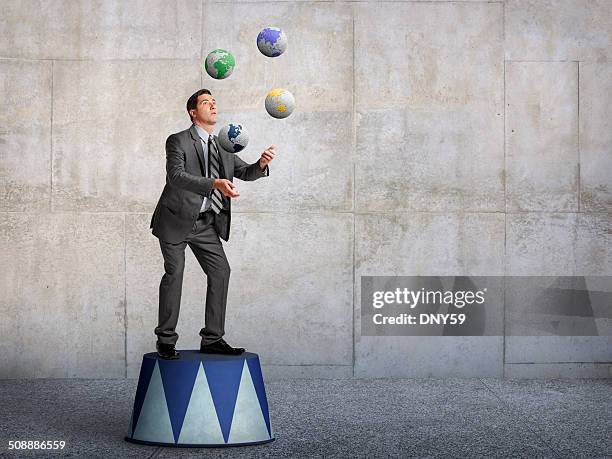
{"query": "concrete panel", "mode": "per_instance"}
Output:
(25, 135)
(284, 372)
(559, 244)
(558, 30)
(558, 349)
(317, 66)
(290, 294)
(144, 270)
(63, 296)
(540, 244)
(542, 136)
(595, 136)
(110, 124)
(312, 169)
(427, 244)
(564, 245)
(96, 29)
(430, 110)
(404, 57)
(594, 245)
(558, 370)
(429, 160)
(429, 357)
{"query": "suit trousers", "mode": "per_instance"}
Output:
(206, 246)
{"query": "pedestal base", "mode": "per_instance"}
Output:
(200, 400)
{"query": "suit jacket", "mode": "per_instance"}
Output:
(186, 185)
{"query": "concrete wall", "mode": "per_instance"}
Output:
(430, 138)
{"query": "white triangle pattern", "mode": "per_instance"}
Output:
(154, 421)
(201, 425)
(248, 423)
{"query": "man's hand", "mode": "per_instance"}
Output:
(267, 156)
(226, 187)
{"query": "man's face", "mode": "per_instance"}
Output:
(206, 110)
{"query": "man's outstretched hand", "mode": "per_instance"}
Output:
(229, 189)
(267, 156)
(226, 187)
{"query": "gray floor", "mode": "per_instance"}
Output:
(338, 418)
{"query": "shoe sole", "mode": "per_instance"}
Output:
(169, 357)
(220, 352)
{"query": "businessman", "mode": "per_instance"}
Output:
(195, 209)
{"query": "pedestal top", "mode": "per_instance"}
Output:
(190, 354)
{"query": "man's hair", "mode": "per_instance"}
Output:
(192, 102)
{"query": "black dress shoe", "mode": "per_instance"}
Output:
(167, 351)
(221, 347)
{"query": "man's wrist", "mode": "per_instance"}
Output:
(212, 188)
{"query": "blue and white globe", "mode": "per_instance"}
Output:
(233, 137)
(272, 41)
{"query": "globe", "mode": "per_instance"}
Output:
(272, 41)
(280, 103)
(233, 137)
(219, 64)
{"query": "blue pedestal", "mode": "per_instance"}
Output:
(200, 400)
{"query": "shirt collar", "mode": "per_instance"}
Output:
(202, 133)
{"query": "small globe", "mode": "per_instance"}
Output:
(219, 64)
(280, 103)
(272, 41)
(233, 137)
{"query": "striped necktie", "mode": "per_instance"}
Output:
(213, 161)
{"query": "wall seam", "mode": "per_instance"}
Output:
(94, 59)
(540, 60)
(553, 362)
(125, 313)
(306, 212)
(201, 43)
(577, 216)
(342, 365)
(469, 2)
(354, 142)
(51, 141)
(505, 202)
(578, 133)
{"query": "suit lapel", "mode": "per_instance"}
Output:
(200, 152)
(197, 144)
(225, 156)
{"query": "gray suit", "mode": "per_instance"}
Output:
(175, 223)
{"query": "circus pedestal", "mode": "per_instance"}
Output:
(200, 400)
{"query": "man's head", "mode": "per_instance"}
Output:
(202, 108)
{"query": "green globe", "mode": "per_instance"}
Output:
(219, 64)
